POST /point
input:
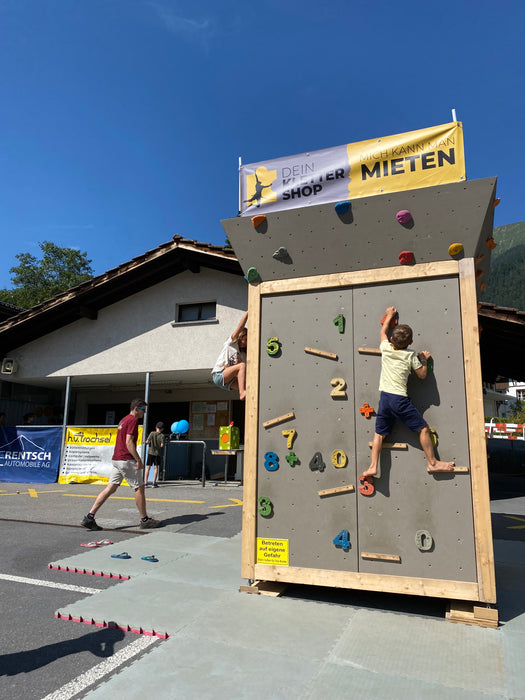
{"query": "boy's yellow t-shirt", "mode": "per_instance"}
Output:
(396, 366)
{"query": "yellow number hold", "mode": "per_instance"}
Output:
(339, 390)
(339, 459)
(290, 437)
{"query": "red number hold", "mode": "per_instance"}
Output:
(368, 488)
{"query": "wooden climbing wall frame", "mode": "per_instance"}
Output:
(418, 533)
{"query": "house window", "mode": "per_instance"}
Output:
(195, 313)
(520, 394)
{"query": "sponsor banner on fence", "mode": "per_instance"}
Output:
(431, 156)
(87, 454)
(30, 454)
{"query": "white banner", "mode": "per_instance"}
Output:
(87, 454)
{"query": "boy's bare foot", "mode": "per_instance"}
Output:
(440, 467)
(370, 472)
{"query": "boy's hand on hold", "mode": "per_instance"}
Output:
(423, 356)
(391, 311)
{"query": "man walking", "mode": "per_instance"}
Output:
(128, 465)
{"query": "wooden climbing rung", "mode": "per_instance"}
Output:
(369, 351)
(456, 470)
(381, 557)
(280, 419)
(393, 445)
(338, 489)
(321, 353)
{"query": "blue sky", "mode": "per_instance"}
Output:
(122, 121)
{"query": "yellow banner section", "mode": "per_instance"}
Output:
(431, 156)
(87, 454)
(274, 552)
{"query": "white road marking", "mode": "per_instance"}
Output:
(87, 679)
(49, 584)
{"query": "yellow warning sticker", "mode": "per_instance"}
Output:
(273, 552)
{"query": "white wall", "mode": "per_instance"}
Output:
(136, 334)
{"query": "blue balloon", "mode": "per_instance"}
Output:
(181, 427)
(174, 427)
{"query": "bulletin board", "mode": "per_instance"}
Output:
(206, 417)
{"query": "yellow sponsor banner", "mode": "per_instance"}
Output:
(87, 454)
(414, 159)
(431, 156)
(273, 552)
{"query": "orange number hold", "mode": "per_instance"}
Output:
(366, 410)
(368, 488)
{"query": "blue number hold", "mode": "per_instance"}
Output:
(271, 461)
(342, 540)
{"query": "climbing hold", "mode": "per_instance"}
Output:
(339, 459)
(290, 437)
(271, 461)
(393, 322)
(339, 321)
(496, 202)
(265, 507)
(490, 243)
(282, 255)
(292, 459)
(479, 273)
(273, 346)
(433, 436)
(455, 248)
(252, 275)
(366, 410)
(424, 540)
(482, 286)
(258, 220)
(342, 207)
(316, 463)
(404, 216)
(368, 488)
(406, 257)
(342, 540)
(339, 390)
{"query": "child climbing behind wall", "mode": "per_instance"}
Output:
(230, 369)
(396, 364)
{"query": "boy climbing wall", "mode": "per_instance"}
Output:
(396, 364)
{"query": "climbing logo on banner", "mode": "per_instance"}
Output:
(411, 160)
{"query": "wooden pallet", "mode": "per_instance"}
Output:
(271, 588)
(469, 613)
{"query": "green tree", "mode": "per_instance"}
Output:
(517, 412)
(35, 280)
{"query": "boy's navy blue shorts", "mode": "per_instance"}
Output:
(392, 406)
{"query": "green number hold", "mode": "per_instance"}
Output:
(272, 346)
(265, 506)
(292, 459)
(339, 321)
